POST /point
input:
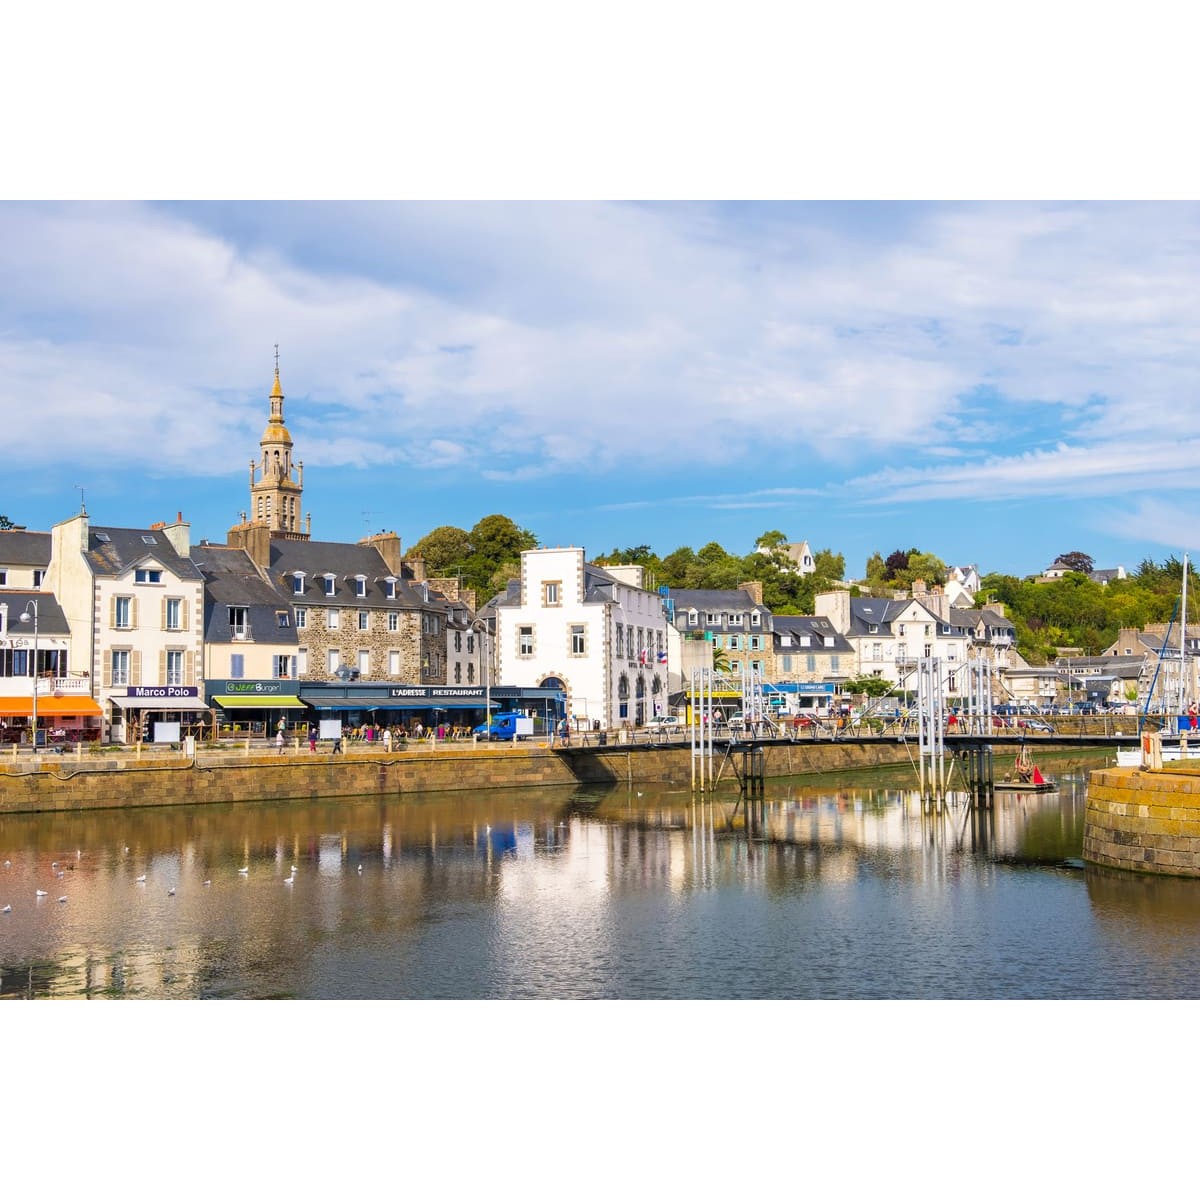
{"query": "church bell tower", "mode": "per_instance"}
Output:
(276, 485)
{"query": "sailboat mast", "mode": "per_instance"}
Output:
(1183, 688)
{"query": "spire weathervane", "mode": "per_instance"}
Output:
(276, 360)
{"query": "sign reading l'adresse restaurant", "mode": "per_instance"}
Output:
(433, 692)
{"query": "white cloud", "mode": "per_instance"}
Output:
(522, 341)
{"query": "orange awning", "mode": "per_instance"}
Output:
(49, 706)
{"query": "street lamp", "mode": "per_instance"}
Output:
(481, 627)
(25, 619)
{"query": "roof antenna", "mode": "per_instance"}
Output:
(82, 506)
(276, 360)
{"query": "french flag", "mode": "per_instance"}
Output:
(662, 656)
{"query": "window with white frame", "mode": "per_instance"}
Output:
(283, 619)
(330, 584)
(524, 641)
(146, 575)
(693, 617)
(332, 618)
(298, 584)
(714, 618)
(756, 617)
(174, 670)
(552, 593)
(835, 663)
(805, 640)
(578, 640)
(302, 661)
(364, 663)
(829, 641)
(393, 622)
(393, 662)
(281, 666)
(333, 660)
(735, 620)
(364, 619)
(38, 576)
(734, 642)
(120, 668)
(123, 612)
(173, 614)
(389, 588)
(239, 622)
(302, 618)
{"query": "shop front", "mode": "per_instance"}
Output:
(64, 717)
(259, 708)
(159, 715)
(366, 710)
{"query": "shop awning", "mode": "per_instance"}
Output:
(159, 703)
(50, 706)
(370, 705)
(259, 701)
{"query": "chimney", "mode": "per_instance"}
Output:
(255, 538)
(416, 567)
(835, 607)
(388, 545)
(179, 534)
(755, 589)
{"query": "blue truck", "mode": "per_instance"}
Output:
(505, 727)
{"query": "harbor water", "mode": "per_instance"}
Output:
(840, 888)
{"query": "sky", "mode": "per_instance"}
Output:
(995, 383)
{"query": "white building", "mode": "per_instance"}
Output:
(596, 633)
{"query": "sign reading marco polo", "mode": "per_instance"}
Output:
(417, 692)
(163, 693)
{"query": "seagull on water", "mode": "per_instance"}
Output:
(53, 865)
(62, 899)
(170, 891)
(41, 893)
(6, 908)
(289, 879)
(208, 883)
(60, 875)
(140, 879)
(243, 870)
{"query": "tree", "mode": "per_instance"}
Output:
(500, 539)
(443, 548)
(868, 685)
(1077, 561)
(894, 564)
(829, 567)
(5, 523)
(771, 540)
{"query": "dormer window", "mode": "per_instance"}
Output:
(693, 616)
(389, 587)
(330, 584)
(714, 618)
(360, 585)
(875, 629)
(298, 583)
(735, 620)
(144, 575)
(756, 617)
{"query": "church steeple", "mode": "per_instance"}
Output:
(276, 486)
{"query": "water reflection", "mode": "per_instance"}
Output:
(837, 890)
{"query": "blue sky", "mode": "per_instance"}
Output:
(992, 382)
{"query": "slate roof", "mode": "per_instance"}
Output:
(714, 600)
(20, 548)
(231, 579)
(113, 552)
(866, 611)
(815, 627)
(51, 619)
(972, 618)
(345, 561)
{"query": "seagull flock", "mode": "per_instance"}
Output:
(243, 872)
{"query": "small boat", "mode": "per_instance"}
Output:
(1026, 777)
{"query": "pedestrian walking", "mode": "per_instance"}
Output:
(312, 739)
(279, 741)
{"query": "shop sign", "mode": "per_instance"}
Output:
(235, 688)
(417, 692)
(163, 693)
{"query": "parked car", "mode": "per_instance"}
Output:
(1036, 726)
(663, 723)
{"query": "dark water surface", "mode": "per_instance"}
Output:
(850, 890)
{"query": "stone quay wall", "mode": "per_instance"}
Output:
(1146, 821)
(70, 784)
